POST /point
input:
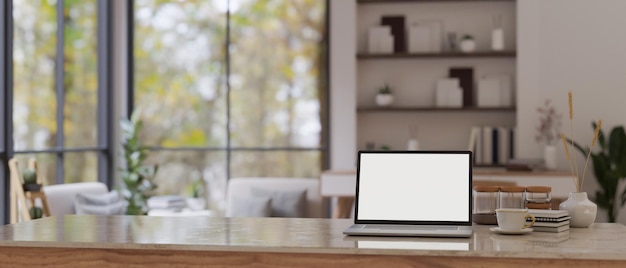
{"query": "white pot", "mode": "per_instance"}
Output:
(549, 156)
(384, 99)
(467, 45)
(196, 203)
(581, 209)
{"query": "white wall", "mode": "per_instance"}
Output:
(578, 46)
(342, 84)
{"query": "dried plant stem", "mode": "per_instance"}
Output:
(569, 160)
(571, 129)
(593, 143)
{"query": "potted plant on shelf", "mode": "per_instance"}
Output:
(30, 181)
(384, 96)
(137, 179)
(197, 201)
(467, 44)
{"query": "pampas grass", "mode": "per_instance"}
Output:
(572, 161)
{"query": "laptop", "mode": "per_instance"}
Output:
(413, 193)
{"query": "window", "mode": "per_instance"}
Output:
(254, 109)
(59, 98)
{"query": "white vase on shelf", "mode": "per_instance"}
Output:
(549, 156)
(580, 208)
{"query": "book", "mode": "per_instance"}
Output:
(549, 219)
(504, 146)
(487, 143)
(550, 224)
(551, 229)
(543, 213)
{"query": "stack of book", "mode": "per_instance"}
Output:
(169, 202)
(553, 221)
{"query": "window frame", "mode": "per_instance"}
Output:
(105, 101)
(324, 147)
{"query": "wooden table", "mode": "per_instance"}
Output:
(144, 241)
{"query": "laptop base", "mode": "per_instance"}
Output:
(409, 230)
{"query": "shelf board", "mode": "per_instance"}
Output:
(477, 54)
(434, 109)
(425, 1)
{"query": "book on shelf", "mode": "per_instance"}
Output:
(551, 229)
(491, 145)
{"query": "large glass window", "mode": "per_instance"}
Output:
(55, 88)
(211, 113)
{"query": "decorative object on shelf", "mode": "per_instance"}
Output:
(547, 131)
(609, 168)
(137, 179)
(466, 81)
(420, 38)
(580, 208)
(467, 44)
(413, 143)
(497, 34)
(384, 97)
(449, 93)
(452, 41)
(380, 40)
(488, 92)
(398, 30)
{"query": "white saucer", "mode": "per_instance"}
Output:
(500, 231)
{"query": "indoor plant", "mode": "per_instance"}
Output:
(609, 167)
(384, 96)
(582, 211)
(547, 132)
(138, 184)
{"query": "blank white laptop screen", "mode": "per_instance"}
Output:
(414, 187)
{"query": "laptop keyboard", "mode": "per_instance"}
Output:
(412, 227)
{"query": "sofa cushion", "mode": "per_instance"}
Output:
(99, 199)
(250, 206)
(241, 186)
(110, 203)
(117, 208)
(285, 203)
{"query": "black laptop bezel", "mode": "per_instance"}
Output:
(358, 178)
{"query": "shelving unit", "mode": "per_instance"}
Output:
(433, 109)
(423, 1)
(440, 55)
(413, 76)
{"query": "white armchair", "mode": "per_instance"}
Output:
(61, 196)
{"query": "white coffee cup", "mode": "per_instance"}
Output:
(513, 219)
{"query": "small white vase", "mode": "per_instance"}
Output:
(384, 99)
(581, 209)
(549, 156)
